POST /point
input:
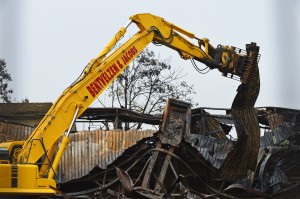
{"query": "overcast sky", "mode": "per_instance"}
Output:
(46, 44)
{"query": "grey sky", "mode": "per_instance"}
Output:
(46, 44)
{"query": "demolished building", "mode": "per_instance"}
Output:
(179, 160)
(186, 161)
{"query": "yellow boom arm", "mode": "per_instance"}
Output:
(97, 76)
(101, 72)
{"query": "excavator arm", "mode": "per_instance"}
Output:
(102, 70)
(39, 148)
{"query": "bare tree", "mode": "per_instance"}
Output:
(147, 83)
(5, 78)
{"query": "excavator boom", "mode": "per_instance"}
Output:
(35, 160)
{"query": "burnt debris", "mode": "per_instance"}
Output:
(185, 159)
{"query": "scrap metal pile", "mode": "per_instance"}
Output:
(191, 156)
(186, 157)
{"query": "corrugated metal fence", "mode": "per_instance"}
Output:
(12, 131)
(86, 149)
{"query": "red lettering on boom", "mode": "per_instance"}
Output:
(93, 88)
(115, 68)
(105, 77)
(99, 82)
(102, 79)
(129, 53)
(91, 91)
(96, 85)
(125, 59)
(135, 50)
(119, 64)
(110, 73)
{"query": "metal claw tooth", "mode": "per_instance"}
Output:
(249, 68)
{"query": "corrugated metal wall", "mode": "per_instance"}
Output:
(12, 131)
(88, 149)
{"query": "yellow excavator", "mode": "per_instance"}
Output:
(29, 167)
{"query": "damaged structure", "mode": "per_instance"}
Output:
(191, 155)
(184, 159)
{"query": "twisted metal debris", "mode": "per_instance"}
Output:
(189, 165)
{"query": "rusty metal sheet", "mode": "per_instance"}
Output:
(275, 120)
(243, 157)
(280, 134)
(272, 171)
(283, 132)
(12, 131)
(266, 139)
(214, 150)
(279, 175)
(207, 124)
(175, 122)
(88, 149)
